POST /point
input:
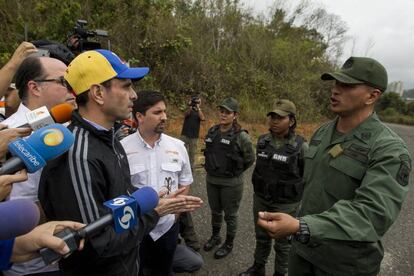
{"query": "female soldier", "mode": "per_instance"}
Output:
(228, 154)
(277, 182)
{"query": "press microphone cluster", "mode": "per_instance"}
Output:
(33, 152)
(124, 214)
(17, 217)
(41, 117)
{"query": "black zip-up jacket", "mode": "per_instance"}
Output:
(74, 187)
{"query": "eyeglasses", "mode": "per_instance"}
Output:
(61, 80)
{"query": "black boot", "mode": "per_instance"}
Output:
(255, 270)
(225, 249)
(277, 273)
(214, 240)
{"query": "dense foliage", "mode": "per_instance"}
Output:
(393, 109)
(213, 47)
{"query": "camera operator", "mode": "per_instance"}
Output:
(78, 41)
(191, 127)
(189, 135)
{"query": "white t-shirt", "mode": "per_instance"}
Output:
(163, 167)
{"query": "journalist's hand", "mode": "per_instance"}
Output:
(26, 247)
(23, 51)
(6, 182)
(9, 134)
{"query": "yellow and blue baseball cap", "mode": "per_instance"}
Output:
(98, 66)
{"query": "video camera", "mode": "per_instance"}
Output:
(78, 41)
(195, 100)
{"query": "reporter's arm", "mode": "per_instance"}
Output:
(9, 70)
(201, 115)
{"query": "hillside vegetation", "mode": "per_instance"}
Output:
(216, 48)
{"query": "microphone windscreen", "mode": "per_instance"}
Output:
(17, 217)
(51, 141)
(147, 199)
(62, 113)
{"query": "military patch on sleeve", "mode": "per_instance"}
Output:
(403, 174)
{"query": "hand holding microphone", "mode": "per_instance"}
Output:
(125, 211)
(35, 119)
(19, 219)
(26, 247)
(41, 117)
(9, 134)
(32, 153)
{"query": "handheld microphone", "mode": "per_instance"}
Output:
(40, 117)
(34, 151)
(124, 213)
(17, 217)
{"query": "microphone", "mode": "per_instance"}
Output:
(62, 113)
(125, 211)
(17, 217)
(33, 152)
(40, 117)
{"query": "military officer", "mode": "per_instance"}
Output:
(228, 154)
(277, 181)
(357, 175)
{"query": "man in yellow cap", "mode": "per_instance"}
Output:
(75, 185)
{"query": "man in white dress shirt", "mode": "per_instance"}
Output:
(40, 83)
(162, 162)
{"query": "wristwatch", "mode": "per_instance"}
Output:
(303, 235)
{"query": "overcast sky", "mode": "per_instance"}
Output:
(381, 29)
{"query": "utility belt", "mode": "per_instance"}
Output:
(281, 191)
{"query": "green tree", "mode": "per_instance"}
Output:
(391, 100)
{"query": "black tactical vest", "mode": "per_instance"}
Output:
(278, 175)
(223, 156)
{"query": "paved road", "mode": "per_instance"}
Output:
(398, 243)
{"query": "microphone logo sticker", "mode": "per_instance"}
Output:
(40, 112)
(124, 212)
(52, 137)
(26, 152)
(119, 201)
(125, 220)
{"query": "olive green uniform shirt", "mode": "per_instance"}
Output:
(355, 186)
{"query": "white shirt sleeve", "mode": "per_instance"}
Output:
(186, 175)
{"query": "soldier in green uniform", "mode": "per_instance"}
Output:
(356, 174)
(228, 154)
(277, 182)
